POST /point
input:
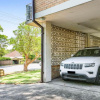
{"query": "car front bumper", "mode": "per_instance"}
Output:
(80, 77)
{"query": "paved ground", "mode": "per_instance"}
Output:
(14, 68)
(55, 90)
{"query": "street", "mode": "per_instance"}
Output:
(15, 68)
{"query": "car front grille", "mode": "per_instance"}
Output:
(73, 66)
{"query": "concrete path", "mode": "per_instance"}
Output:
(51, 91)
(15, 68)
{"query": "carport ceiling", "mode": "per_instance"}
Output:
(84, 18)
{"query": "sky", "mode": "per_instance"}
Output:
(12, 13)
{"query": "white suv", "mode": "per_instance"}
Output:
(84, 65)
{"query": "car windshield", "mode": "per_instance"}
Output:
(88, 52)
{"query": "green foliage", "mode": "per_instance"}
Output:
(27, 40)
(4, 58)
(31, 57)
(2, 52)
(39, 58)
(3, 41)
(1, 29)
(3, 44)
(22, 61)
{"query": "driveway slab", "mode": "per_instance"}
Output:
(77, 85)
(50, 91)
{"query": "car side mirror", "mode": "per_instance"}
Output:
(72, 55)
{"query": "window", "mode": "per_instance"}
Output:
(87, 52)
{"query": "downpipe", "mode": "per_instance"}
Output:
(42, 39)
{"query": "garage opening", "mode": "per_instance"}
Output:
(15, 61)
(66, 42)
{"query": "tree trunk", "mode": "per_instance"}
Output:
(26, 63)
(25, 67)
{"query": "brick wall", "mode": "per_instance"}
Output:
(65, 42)
(55, 71)
(6, 62)
(45, 4)
(94, 41)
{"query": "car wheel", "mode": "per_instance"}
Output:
(64, 78)
(97, 81)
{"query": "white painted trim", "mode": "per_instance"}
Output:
(62, 6)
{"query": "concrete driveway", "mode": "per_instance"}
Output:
(55, 90)
(15, 68)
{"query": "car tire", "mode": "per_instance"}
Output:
(63, 78)
(97, 81)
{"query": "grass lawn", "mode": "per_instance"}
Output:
(22, 77)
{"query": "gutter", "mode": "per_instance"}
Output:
(42, 39)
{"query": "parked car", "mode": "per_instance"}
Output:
(84, 65)
(40, 63)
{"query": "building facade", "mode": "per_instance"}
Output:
(69, 25)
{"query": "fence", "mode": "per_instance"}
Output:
(6, 62)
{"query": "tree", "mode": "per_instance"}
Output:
(1, 29)
(3, 43)
(28, 42)
(2, 52)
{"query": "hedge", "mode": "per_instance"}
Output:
(4, 58)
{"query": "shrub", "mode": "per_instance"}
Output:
(4, 58)
(39, 58)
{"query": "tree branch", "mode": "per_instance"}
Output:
(33, 59)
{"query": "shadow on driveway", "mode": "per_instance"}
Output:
(55, 90)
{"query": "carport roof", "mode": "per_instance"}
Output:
(84, 18)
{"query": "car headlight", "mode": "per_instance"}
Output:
(89, 64)
(61, 64)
